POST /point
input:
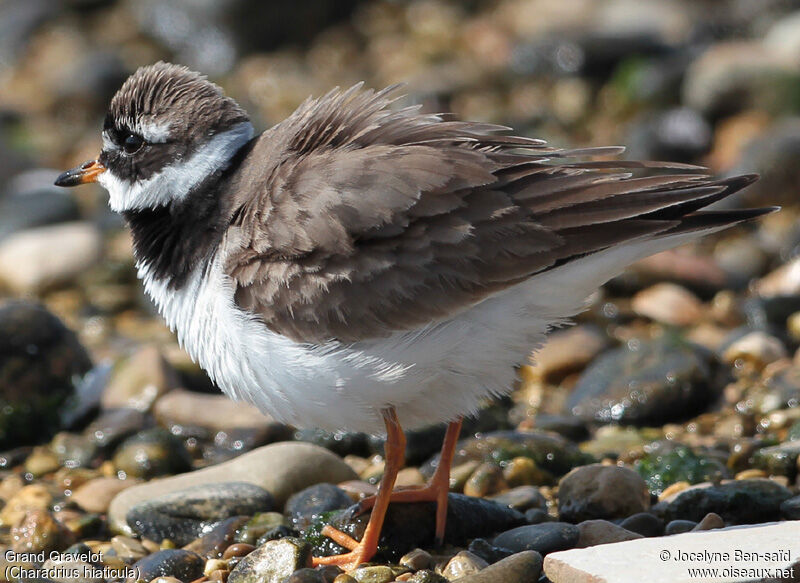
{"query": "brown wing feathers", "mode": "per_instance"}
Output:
(375, 220)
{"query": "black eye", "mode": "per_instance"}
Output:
(132, 143)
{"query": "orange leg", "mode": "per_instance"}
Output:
(436, 489)
(363, 551)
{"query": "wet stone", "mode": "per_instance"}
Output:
(316, 499)
(644, 523)
(410, 526)
(373, 574)
(646, 382)
(178, 563)
(74, 450)
(111, 427)
(273, 562)
(139, 380)
(463, 564)
(598, 491)
(667, 464)
(543, 538)
(521, 498)
(416, 560)
(339, 442)
(263, 525)
(214, 542)
(39, 531)
(737, 502)
(487, 479)
(151, 453)
(184, 515)
(779, 460)
(40, 359)
(487, 551)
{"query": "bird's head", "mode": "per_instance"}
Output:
(167, 130)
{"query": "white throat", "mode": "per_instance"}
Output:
(175, 181)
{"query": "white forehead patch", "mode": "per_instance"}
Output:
(176, 181)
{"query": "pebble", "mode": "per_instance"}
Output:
(128, 549)
(32, 496)
(280, 468)
(52, 358)
(566, 351)
(181, 564)
(238, 550)
(521, 567)
(301, 507)
(487, 479)
(543, 538)
(263, 526)
(710, 522)
(783, 281)
(669, 304)
(183, 515)
(645, 382)
(599, 491)
(373, 574)
(521, 498)
(38, 259)
(602, 532)
(757, 347)
(139, 380)
(212, 412)
(96, 494)
(747, 69)
(644, 523)
(737, 502)
(462, 564)
(665, 464)
(272, 562)
(150, 453)
(644, 559)
(417, 560)
(39, 531)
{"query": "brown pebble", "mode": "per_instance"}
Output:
(238, 550)
(710, 521)
(404, 577)
(218, 575)
(417, 559)
(344, 578)
(329, 572)
(485, 480)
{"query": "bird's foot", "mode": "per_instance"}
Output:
(360, 552)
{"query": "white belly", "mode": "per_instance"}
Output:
(430, 375)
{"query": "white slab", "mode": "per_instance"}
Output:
(737, 554)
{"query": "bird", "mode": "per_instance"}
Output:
(367, 266)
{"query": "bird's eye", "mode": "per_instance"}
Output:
(132, 143)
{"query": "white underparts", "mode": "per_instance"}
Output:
(431, 375)
(175, 181)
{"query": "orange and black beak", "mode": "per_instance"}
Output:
(83, 174)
